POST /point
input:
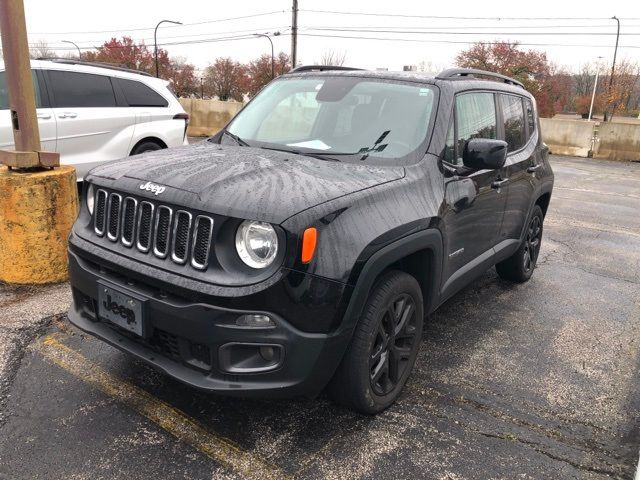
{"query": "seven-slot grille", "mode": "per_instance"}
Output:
(154, 228)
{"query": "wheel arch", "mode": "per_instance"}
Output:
(419, 254)
(543, 200)
(156, 140)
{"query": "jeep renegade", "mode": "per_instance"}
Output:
(302, 246)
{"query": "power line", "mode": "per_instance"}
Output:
(250, 31)
(415, 40)
(264, 14)
(446, 17)
(467, 32)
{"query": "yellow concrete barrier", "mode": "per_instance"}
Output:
(37, 210)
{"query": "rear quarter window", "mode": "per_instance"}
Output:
(137, 94)
(513, 116)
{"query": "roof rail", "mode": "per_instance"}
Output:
(457, 73)
(321, 68)
(71, 61)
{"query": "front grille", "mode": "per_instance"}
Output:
(154, 228)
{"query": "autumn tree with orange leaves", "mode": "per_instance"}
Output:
(528, 66)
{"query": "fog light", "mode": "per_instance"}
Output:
(268, 353)
(255, 321)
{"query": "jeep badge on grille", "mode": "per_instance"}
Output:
(153, 188)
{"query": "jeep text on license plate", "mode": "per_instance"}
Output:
(120, 308)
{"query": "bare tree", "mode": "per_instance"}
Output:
(41, 49)
(331, 57)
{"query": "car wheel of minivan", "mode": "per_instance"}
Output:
(143, 147)
(384, 346)
(519, 266)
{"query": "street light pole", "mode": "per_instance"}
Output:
(613, 65)
(275, 34)
(595, 85)
(69, 41)
(155, 40)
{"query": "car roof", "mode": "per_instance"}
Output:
(97, 69)
(455, 82)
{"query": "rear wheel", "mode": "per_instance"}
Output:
(519, 266)
(384, 346)
(145, 146)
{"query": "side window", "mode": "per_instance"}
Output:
(4, 91)
(72, 89)
(138, 94)
(513, 115)
(531, 118)
(475, 118)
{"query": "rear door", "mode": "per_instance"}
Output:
(474, 200)
(518, 130)
(92, 126)
(46, 119)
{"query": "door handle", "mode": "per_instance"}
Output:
(533, 168)
(499, 183)
(68, 115)
(44, 116)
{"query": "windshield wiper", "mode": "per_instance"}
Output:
(318, 155)
(236, 138)
(377, 146)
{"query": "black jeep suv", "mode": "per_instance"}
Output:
(302, 246)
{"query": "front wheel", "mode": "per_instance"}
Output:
(519, 266)
(384, 346)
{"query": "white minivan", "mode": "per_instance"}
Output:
(91, 113)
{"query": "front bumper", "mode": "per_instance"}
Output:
(190, 340)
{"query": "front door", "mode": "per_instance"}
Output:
(46, 119)
(475, 201)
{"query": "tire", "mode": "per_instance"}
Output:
(379, 360)
(519, 267)
(146, 146)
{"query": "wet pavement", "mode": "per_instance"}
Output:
(540, 380)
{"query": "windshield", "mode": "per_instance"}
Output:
(345, 118)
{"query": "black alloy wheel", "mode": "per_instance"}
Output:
(392, 347)
(520, 266)
(384, 345)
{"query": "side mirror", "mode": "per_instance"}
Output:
(484, 153)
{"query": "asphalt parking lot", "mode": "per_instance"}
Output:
(540, 380)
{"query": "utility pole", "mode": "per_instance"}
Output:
(294, 34)
(613, 65)
(38, 204)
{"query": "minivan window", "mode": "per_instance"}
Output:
(340, 117)
(4, 91)
(475, 118)
(513, 115)
(72, 89)
(139, 95)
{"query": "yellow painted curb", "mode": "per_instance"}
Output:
(37, 211)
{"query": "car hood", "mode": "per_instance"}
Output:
(241, 182)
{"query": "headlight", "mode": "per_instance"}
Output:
(91, 198)
(256, 243)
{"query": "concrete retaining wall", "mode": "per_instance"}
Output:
(614, 141)
(207, 117)
(567, 137)
(619, 141)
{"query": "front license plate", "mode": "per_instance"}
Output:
(120, 308)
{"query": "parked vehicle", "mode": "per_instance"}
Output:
(303, 245)
(93, 113)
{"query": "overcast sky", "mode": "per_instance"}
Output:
(401, 24)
